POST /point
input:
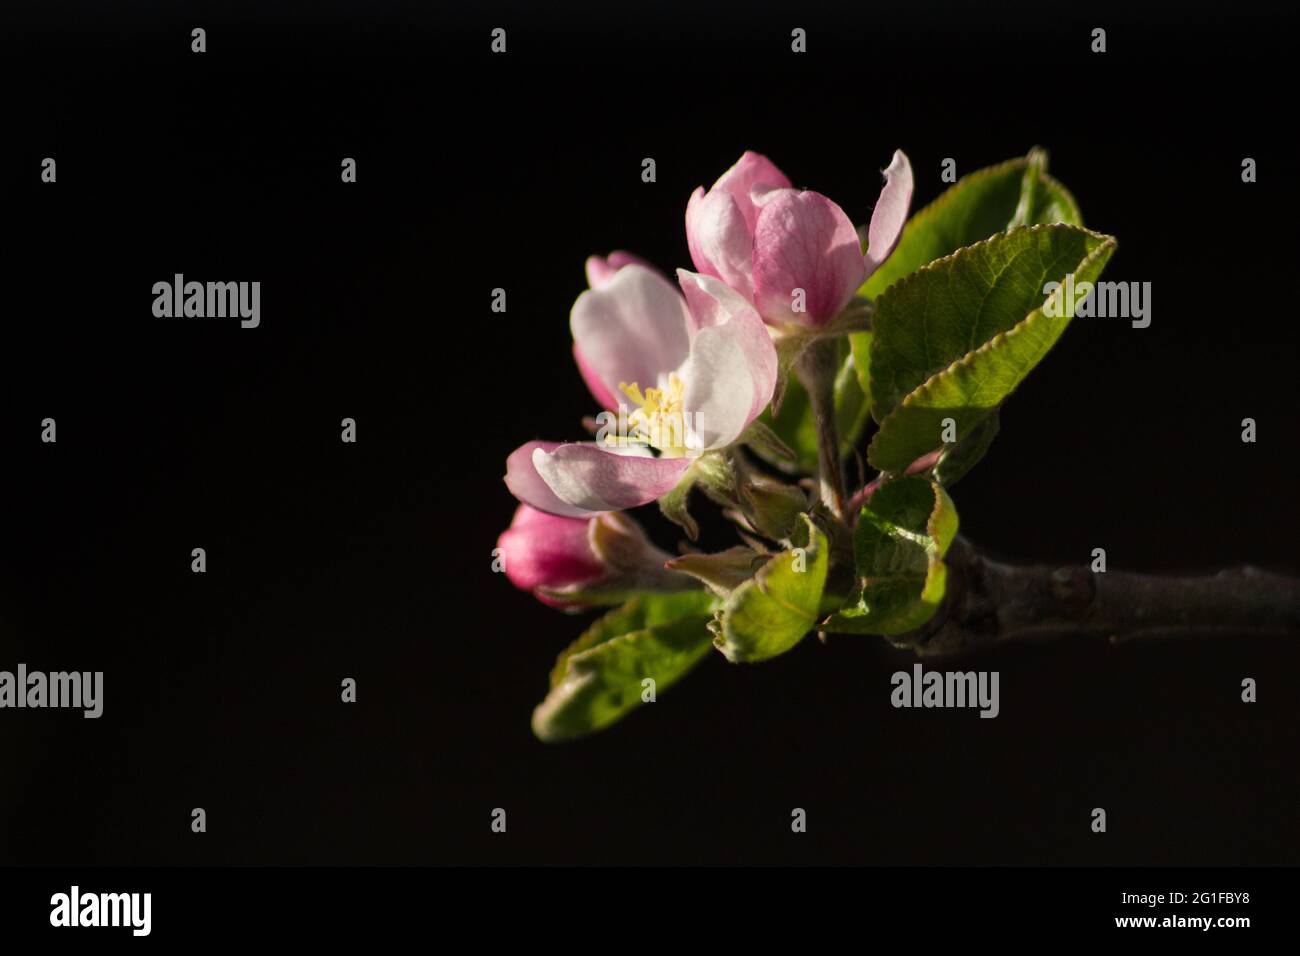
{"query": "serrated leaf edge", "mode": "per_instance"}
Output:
(996, 237)
(1107, 245)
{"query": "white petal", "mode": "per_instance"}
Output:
(732, 369)
(631, 329)
(711, 301)
(590, 479)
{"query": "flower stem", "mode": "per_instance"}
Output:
(816, 369)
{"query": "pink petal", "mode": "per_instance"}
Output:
(544, 550)
(633, 328)
(527, 485)
(732, 370)
(721, 243)
(752, 171)
(590, 479)
(601, 270)
(804, 241)
(890, 214)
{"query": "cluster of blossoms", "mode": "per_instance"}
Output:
(682, 371)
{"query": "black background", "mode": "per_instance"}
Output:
(372, 560)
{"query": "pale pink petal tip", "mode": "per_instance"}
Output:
(890, 214)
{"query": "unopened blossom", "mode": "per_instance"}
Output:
(793, 253)
(542, 551)
(572, 562)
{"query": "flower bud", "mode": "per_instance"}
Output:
(541, 550)
(573, 562)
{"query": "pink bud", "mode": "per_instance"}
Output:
(541, 550)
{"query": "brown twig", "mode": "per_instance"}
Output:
(989, 603)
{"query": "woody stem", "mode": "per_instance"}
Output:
(990, 603)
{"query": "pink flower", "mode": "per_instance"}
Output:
(771, 242)
(573, 562)
(687, 372)
(600, 271)
(546, 551)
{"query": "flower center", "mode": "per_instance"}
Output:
(659, 418)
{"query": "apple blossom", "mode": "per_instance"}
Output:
(697, 365)
(601, 269)
(793, 253)
(683, 371)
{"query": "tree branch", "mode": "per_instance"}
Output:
(989, 603)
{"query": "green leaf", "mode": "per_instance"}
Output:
(852, 405)
(760, 437)
(954, 339)
(959, 458)
(788, 349)
(899, 541)
(597, 680)
(722, 572)
(1042, 199)
(772, 611)
(860, 356)
(675, 505)
(954, 305)
(985, 202)
(797, 428)
(771, 507)
(793, 424)
(1015, 193)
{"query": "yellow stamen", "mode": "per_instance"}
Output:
(659, 418)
